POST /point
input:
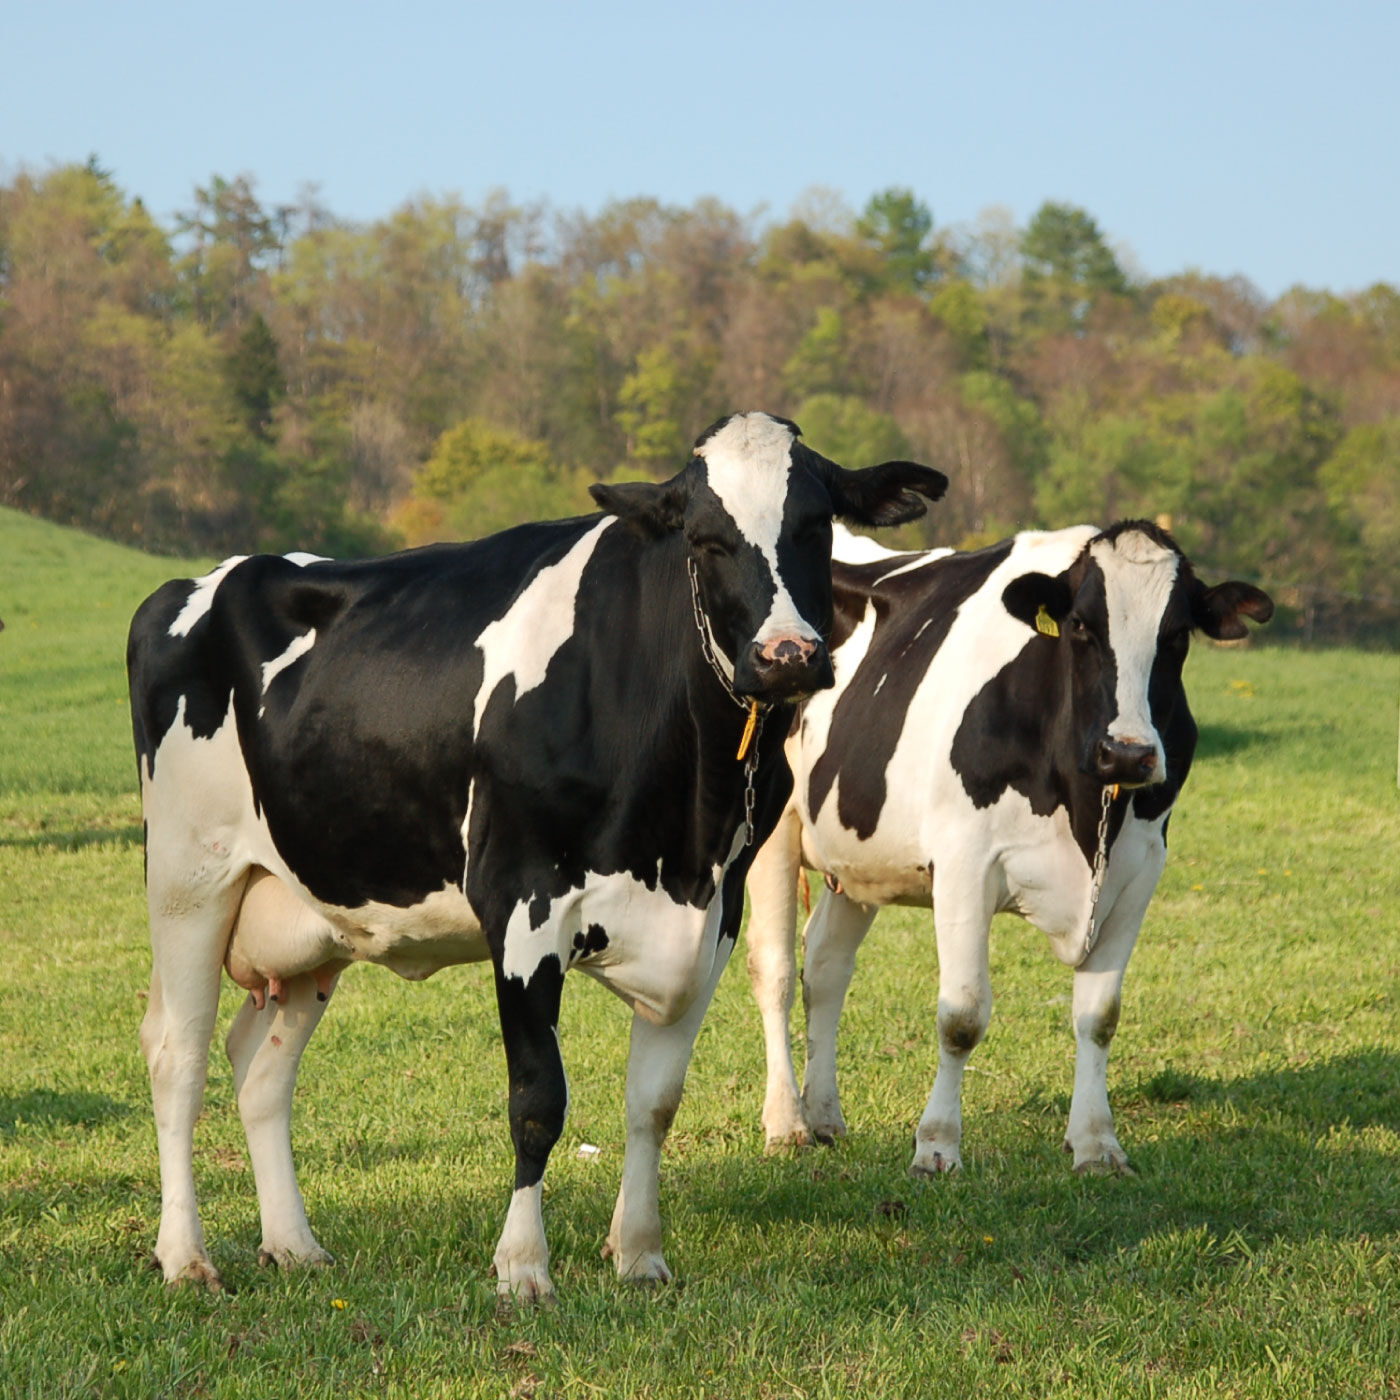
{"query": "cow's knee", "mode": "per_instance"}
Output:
(961, 1028)
(1099, 1024)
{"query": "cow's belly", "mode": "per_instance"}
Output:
(280, 932)
(891, 867)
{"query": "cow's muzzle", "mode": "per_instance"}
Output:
(1126, 761)
(784, 668)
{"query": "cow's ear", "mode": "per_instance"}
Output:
(649, 507)
(1220, 611)
(1038, 600)
(887, 494)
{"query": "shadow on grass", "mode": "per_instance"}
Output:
(48, 1108)
(67, 841)
(1221, 740)
(1249, 1162)
(1359, 1090)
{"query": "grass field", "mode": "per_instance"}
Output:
(1256, 1081)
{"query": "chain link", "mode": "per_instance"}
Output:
(751, 763)
(1091, 934)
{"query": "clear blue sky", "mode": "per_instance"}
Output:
(1253, 138)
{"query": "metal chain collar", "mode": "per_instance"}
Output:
(757, 712)
(1091, 934)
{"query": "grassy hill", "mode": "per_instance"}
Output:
(1256, 1081)
(66, 600)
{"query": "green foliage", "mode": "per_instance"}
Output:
(650, 406)
(262, 378)
(818, 365)
(255, 375)
(963, 314)
(1362, 483)
(485, 479)
(898, 226)
(1063, 244)
(1253, 1079)
(844, 429)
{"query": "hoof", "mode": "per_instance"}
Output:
(647, 1270)
(939, 1164)
(287, 1260)
(1105, 1166)
(198, 1273)
(794, 1141)
(509, 1304)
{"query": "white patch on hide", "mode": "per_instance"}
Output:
(201, 600)
(523, 642)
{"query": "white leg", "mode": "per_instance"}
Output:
(770, 936)
(962, 917)
(264, 1048)
(656, 1065)
(1098, 985)
(189, 930)
(833, 934)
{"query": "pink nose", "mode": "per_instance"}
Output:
(783, 650)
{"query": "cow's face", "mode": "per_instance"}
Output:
(1124, 613)
(754, 509)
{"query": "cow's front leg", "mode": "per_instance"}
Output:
(962, 917)
(264, 1047)
(770, 936)
(830, 941)
(656, 1064)
(539, 1099)
(1097, 999)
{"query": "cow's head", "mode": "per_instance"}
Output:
(754, 507)
(1122, 616)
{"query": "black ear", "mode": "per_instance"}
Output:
(887, 494)
(1038, 596)
(1220, 611)
(651, 508)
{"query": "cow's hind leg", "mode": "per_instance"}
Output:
(831, 939)
(264, 1047)
(189, 930)
(656, 1065)
(770, 936)
(539, 1100)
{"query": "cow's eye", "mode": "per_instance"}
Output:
(1077, 628)
(710, 545)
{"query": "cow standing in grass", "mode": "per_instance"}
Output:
(521, 750)
(1008, 731)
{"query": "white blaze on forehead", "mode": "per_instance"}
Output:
(1139, 575)
(748, 463)
(538, 623)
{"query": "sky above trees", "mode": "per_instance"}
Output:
(1229, 138)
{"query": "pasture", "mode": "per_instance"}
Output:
(1255, 1080)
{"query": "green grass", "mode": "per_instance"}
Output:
(1256, 1081)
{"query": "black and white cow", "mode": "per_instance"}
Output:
(521, 749)
(1000, 721)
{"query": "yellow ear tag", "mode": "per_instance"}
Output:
(1045, 624)
(749, 729)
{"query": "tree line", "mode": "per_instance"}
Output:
(262, 377)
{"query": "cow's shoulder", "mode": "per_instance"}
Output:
(911, 601)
